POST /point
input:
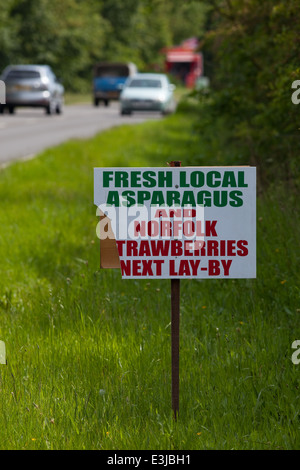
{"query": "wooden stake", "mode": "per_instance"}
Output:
(175, 315)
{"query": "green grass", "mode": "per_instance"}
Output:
(89, 360)
(87, 97)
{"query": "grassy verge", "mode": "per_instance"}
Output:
(77, 98)
(89, 354)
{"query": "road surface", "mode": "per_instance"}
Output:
(30, 131)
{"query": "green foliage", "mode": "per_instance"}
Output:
(64, 35)
(255, 59)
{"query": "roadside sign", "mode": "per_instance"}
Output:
(179, 222)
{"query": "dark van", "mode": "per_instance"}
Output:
(108, 80)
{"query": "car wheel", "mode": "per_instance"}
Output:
(59, 108)
(96, 102)
(106, 103)
(11, 109)
(1, 109)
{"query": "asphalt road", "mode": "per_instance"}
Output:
(29, 131)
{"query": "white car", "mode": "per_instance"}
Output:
(147, 92)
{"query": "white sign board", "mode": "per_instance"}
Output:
(180, 222)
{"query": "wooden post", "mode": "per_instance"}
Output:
(175, 315)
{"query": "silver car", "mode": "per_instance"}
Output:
(33, 86)
(147, 92)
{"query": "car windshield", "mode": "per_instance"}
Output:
(22, 74)
(145, 83)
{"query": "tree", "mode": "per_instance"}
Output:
(255, 48)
